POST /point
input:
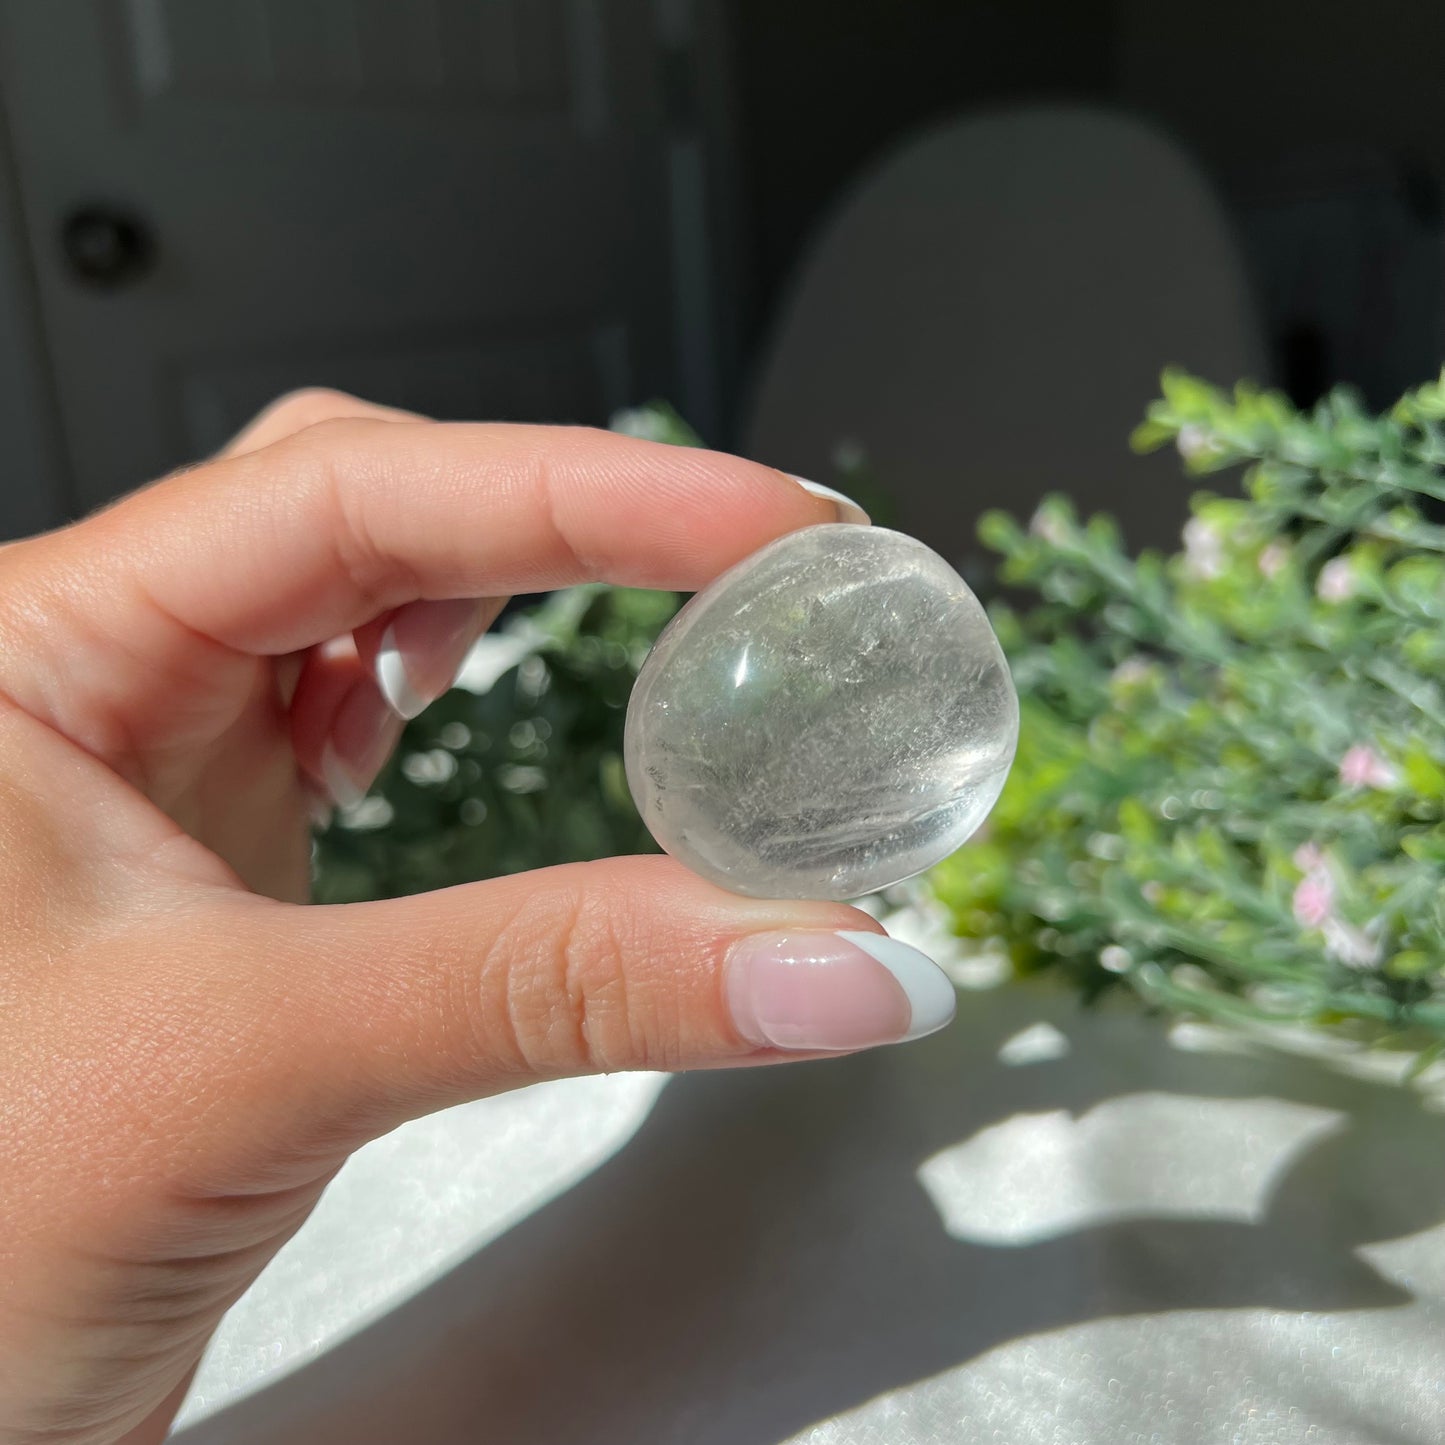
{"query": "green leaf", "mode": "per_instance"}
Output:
(1424, 776)
(1412, 964)
(1150, 435)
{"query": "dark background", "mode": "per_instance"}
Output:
(1317, 107)
(545, 209)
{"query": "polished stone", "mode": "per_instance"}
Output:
(830, 716)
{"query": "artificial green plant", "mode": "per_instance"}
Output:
(1231, 774)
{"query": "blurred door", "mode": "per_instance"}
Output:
(470, 207)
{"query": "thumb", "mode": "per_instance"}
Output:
(631, 963)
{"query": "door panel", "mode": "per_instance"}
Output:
(457, 205)
(581, 375)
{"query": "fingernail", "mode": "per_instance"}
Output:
(346, 791)
(848, 509)
(422, 648)
(834, 992)
(362, 737)
(320, 812)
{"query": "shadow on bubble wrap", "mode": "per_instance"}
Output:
(761, 1256)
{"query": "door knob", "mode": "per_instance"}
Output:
(107, 247)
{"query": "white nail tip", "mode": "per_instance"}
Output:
(849, 509)
(392, 679)
(931, 997)
(339, 782)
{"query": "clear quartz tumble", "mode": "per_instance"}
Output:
(832, 715)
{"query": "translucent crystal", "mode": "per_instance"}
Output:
(829, 717)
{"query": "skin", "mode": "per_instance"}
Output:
(188, 1052)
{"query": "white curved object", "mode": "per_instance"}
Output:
(986, 317)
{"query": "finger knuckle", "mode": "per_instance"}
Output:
(310, 404)
(328, 475)
(574, 1004)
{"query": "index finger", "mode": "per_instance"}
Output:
(282, 547)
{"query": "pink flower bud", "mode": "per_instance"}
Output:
(1203, 549)
(1272, 560)
(1045, 525)
(1363, 767)
(1314, 899)
(1336, 582)
(1193, 442)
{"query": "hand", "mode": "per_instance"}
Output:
(187, 1055)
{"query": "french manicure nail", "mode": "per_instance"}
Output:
(345, 790)
(423, 646)
(363, 735)
(848, 509)
(834, 992)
